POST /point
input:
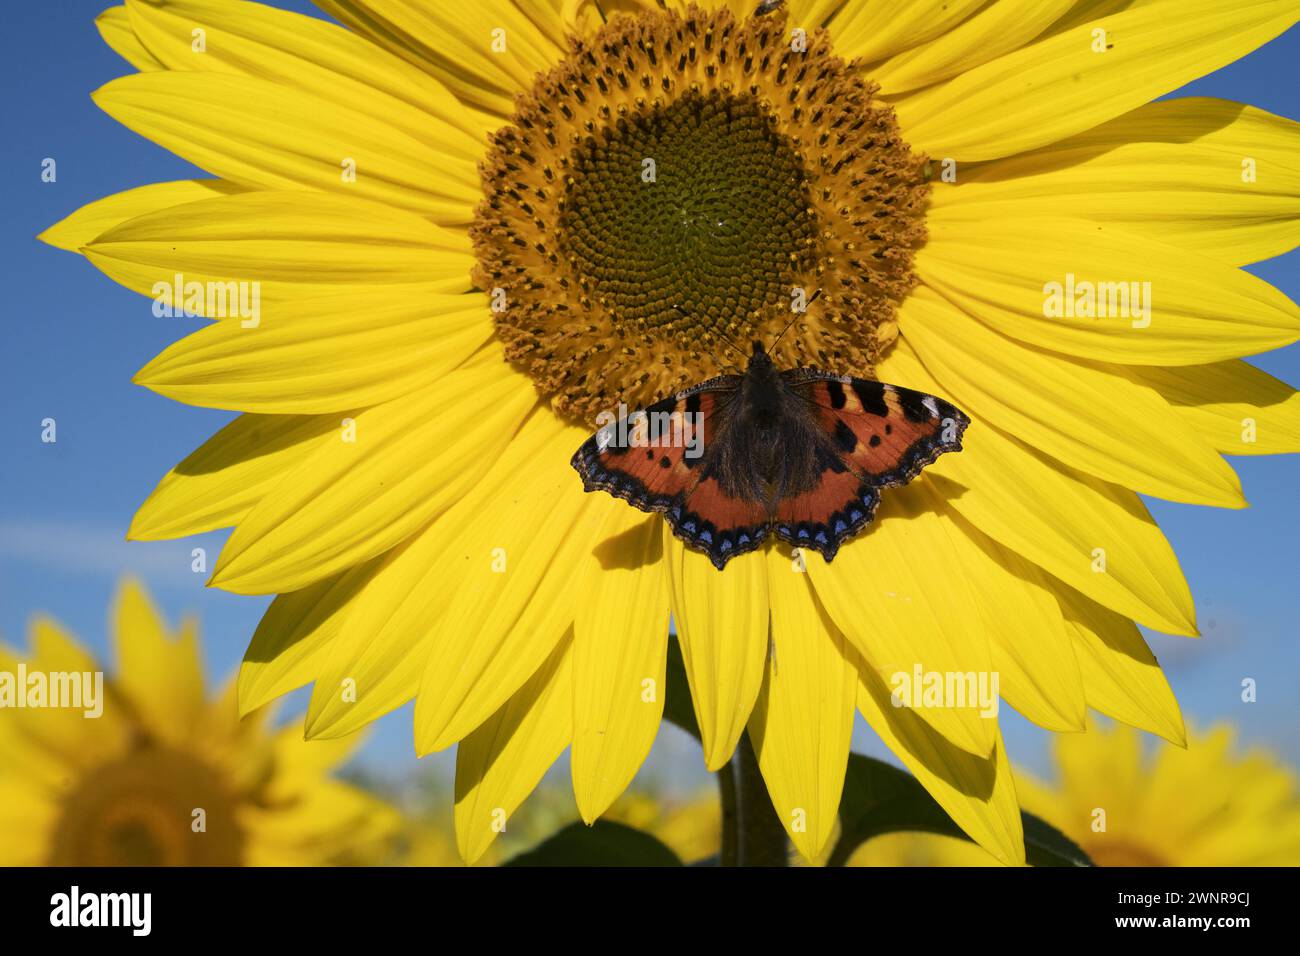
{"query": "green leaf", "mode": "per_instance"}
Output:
(603, 844)
(879, 798)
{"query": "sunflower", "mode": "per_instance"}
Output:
(689, 827)
(1207, 805)
(147, 771)
(442, 238)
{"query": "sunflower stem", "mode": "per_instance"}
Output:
(752, 834)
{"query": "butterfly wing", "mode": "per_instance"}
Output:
(875, 436)
(661, 459)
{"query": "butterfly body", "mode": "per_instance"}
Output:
(769, 446)
(799, 453)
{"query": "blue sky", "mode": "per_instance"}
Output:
(72, 339)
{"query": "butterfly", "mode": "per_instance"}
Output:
(799, 453)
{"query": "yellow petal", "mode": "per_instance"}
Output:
(28, 819)
(802, 722)
(390, 472)
(1058, 518)
(977, 792)
(520, 576)
(1234, 406)
(879, 28)
(1185, 308)
(500, 763)
(1078, 79)
(260, 133)
(301, 765)
(322, 354)
(1106, 765)
(48, 743)
(55, 649)
(398, 612)
(456, 43)
(1214, 177)
(115, 27)
(162, 677)
(1085, 11)
(220, 481)
(237, 746)
(1121, 677)
(885, 592)
(811, 14)
(280, 246)
(37, 754)
(94, 219)
(313, 55)
(620, 647)
(1030, 647)
(722, 624)
(292, 642)
(358, 674)
(1222, 125)
(1085, 415)
(1001, 27)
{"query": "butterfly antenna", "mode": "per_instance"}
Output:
(772, 348)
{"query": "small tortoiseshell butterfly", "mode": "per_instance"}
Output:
(800, 453)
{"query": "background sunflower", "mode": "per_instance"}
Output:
(1127, 804)
(165, 775)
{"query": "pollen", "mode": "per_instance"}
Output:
(682, 184)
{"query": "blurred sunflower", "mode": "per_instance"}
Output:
(1202, 806)
(164, 776)
(457, 267)
(690, 827)
(920, 849)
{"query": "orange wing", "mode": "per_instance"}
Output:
(879, 436)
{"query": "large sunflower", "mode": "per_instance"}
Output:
(162, 775)
(1203, 806)
(458, 268)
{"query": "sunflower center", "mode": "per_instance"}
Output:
(681, 184)
(691, 215)
(154, 807)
